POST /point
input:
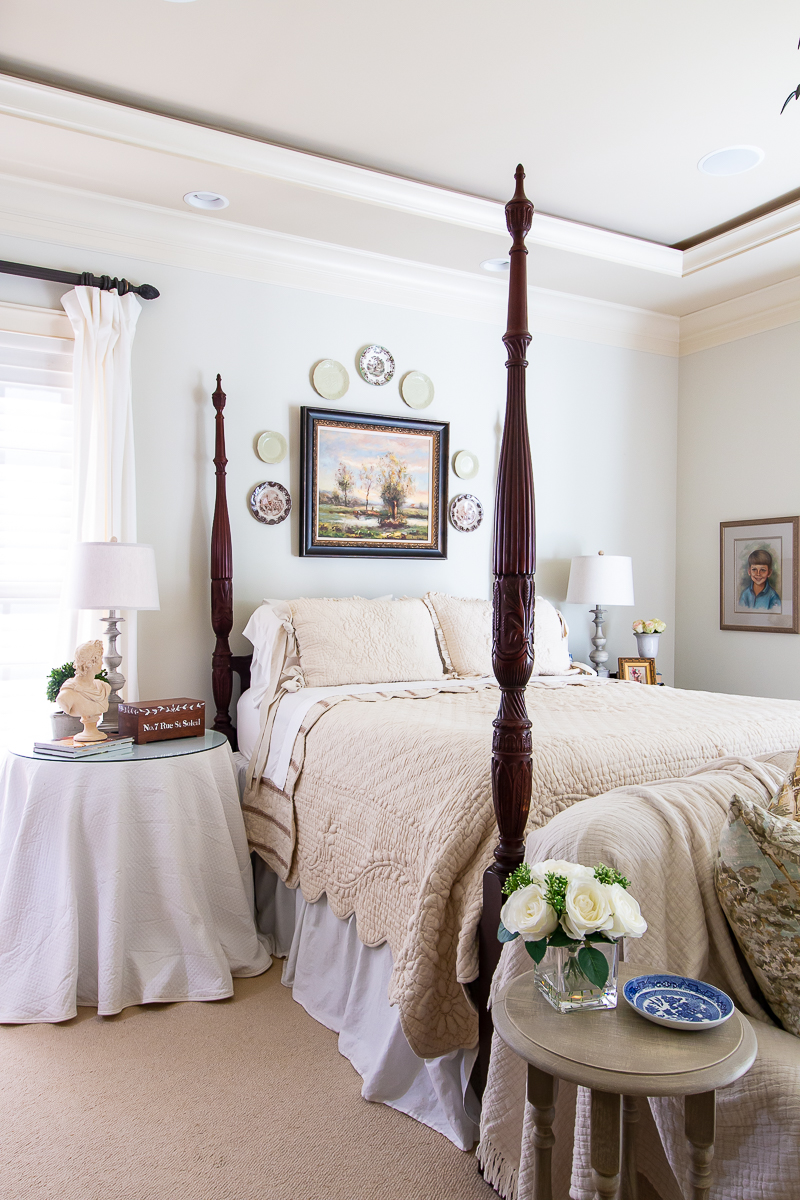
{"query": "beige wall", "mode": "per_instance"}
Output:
(739, 432)
(603, 429)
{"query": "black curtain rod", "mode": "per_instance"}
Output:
(85, 279)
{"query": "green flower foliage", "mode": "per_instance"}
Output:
(518, 879)
(555, 891)
(604, 874)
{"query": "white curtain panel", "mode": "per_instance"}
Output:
(104, 498)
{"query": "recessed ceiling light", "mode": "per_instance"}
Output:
(496, 264)
(206, 199)
(180, 1)
(733, 160)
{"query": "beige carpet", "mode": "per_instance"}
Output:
(241, 1099)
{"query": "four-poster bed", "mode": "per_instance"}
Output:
(340, 823)
(513, 605)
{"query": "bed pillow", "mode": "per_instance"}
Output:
(464, 630)
(365, 641)
(758, 885)
(262, 630)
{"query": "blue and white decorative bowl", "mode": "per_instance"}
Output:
(678, 1002)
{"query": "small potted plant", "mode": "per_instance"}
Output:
(63, 725)
(647, 634)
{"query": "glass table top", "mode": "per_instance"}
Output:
(171, 748)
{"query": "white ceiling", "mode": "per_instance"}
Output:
(609, 103)
(608, 106)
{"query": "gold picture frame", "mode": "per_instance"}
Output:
(633, 669)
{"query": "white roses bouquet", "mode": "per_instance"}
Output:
(556, 903)
(649, 626)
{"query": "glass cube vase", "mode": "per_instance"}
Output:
(562, 982)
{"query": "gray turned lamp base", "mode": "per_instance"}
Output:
(111, 660)
(599, 656)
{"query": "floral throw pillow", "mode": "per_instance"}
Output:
(758, 884)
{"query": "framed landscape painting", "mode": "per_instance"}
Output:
(758, 575)
(372, 487)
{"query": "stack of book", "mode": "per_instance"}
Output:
(115, 746)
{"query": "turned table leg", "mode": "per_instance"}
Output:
(606, 1137)
(700, 1119)
(629, 1189)
(542, 1092)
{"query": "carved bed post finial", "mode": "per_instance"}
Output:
(512, 634)
(514, 565)
(221, 580)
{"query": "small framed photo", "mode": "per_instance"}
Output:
(758, 575)
(372, 486)
(637, 670)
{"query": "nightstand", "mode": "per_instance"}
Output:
(123, 881)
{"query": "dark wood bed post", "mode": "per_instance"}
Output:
(512, 632)
(223, 663)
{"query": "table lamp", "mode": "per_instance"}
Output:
(600, 579)
(112, 575)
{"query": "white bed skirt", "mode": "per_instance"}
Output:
(344, 985)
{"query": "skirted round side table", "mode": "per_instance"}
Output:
(619, 1056)
(123, 880)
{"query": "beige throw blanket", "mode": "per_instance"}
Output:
(387, 810)
(664, 838)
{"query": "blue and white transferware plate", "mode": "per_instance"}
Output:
(677, 1001)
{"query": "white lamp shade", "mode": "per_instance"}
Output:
(112, 575)
(600, 579)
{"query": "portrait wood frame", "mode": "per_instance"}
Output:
(624, 665)
(310, 421)
(794, 627)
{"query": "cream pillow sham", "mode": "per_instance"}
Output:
(464, 630)
(365, 641)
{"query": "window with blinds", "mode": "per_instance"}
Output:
(36, 457)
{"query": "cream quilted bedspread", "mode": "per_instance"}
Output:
(664, 837)
(387, 810)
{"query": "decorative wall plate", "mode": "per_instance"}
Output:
(271, 447)
(465, 464)
(330, 379)
(376, 365)
(270, 503)
(416, 389)
(677, 1001)
(466, 513)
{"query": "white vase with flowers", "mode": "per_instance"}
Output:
(647, 635)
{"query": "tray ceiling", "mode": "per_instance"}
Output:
(610, 105)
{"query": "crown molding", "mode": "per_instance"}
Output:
(83, 220)
(759, 232)
(168, 135)
(757, 312)
(87, 221)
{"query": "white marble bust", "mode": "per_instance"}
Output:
(84, 696)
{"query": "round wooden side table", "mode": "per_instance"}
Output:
(619, 1056)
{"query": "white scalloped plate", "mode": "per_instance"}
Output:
(416, 389)
(271, 447)
(330, 379)
(465, 464)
